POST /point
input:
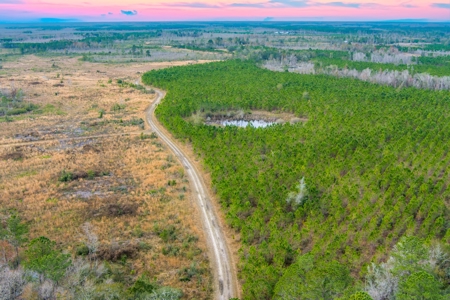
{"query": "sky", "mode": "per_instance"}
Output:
(221, 10)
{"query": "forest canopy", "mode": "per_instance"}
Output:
(374, 161)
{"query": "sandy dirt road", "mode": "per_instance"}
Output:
(220, 258)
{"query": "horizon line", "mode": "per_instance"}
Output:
(76, 21)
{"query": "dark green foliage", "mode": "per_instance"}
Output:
(420, 286)
(313, 279)
(44, 258)
(82, 250)
(15, 233)
(437, 47)
(171, 250)
(435, 61)
(21, 110)
(191, 46)
(144, 289)
(10, 106)
(167, 234)
(67, 176)
(373, 158)
(143, 286)
(187, 274)
(134, 122)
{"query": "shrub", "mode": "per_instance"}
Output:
(43, 258)
(167, 234)
(171, 250)
(186, 274)
(115, 251)
(65, 176)
(114, 209)
(82, 250)
(142, 286)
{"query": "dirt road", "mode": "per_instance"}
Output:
(224, 274)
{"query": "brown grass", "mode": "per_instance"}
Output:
(131, 190)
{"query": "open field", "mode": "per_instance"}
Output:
(130, 189)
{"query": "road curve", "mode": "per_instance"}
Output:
(225, 279)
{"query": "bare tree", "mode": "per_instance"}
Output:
(394, 78)
(12, 282)
(381, 284)
(298, 197)
(46, 290)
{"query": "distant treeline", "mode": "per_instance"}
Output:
(98, 40)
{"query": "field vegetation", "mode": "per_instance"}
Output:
(93, 206)
(12, 104)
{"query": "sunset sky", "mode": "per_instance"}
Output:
(221, 10)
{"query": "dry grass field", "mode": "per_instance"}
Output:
(129, 190)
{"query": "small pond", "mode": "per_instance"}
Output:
(242, 123)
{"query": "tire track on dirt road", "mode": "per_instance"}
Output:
(224, 272)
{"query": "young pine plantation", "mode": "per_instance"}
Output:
(353, 203)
